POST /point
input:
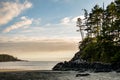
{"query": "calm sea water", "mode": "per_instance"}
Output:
(44, 72)
(28, 65)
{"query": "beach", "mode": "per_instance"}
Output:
(55, 75)
(10, 70)
(42, 70)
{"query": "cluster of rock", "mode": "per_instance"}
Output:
(77, 64)
(85, 66)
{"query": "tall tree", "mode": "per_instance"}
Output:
(117, 23)
(94, 20)
(86, 25)
(110, 20)
(102, 25)
(79, 24)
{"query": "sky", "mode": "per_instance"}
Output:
(42, 29)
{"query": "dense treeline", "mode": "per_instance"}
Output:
(6, 57)
(102, 28)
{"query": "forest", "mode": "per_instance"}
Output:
(102, 28)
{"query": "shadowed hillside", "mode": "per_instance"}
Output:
(6, 57)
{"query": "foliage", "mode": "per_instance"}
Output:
(102, 41)
(6, 57)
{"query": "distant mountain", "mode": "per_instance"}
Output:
(6, 57)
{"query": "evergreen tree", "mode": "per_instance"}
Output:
(102, 42)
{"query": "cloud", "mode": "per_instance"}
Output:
(70, 20)
(42, 50)
(25, 22)
(9, 10)
(65, 20)
(42, 45)
(75, 18)
(62, 0)
(37, 21)
(23, 38)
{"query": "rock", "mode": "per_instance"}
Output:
(101, 67)
(58, 66)
(78, 64)
(76, 56)
(83, 66)
(82, 74)
(118, 71)
(115, 66)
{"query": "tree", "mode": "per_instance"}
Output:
(102, 42)
(95, 20)
(79, 24)
(117, 22)
(87, 27)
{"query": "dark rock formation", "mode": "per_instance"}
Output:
(78, 64)
(83, 66)
(82, 74)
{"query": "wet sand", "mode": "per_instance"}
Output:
(54, 75)
(33, 75)
(10, 70)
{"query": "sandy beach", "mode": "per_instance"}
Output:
(11, 70)
(54, 75)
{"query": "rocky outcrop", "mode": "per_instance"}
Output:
(78, 64)
(84, 66)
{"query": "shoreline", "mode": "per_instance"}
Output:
(86, 66)
(13, 70)
(22, 71)
(56, 75)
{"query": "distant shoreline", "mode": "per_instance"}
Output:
(21, 70)
(8, 58)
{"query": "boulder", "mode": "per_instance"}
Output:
(82, 74)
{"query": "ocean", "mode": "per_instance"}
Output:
(28, 65)
(41, 70)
